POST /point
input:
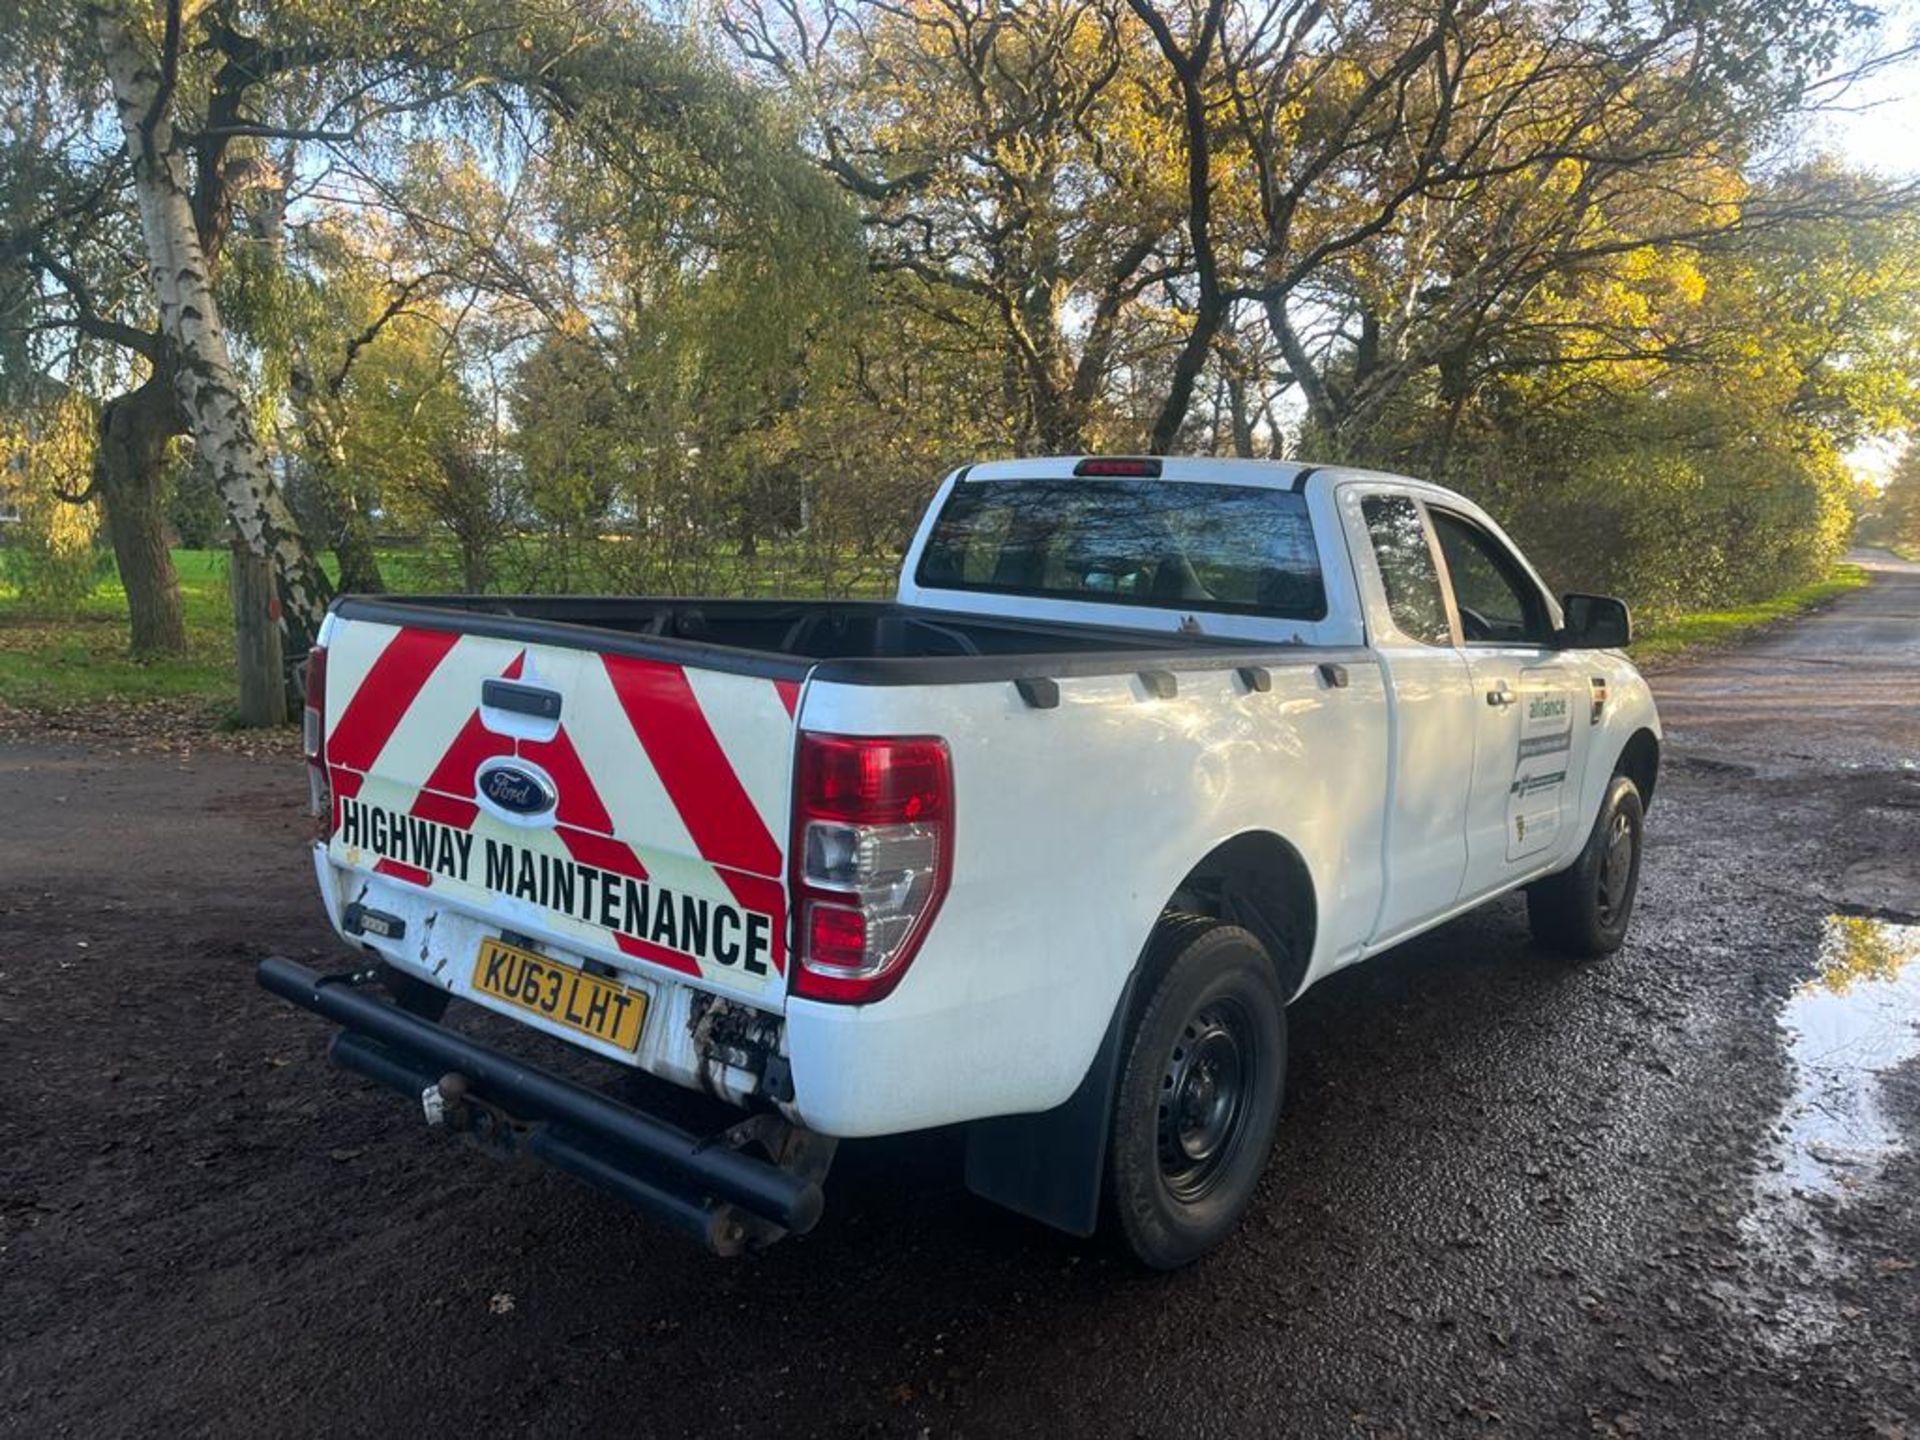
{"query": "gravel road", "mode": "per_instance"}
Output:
(1672, 1193)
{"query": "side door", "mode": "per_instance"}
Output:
(1531, 702)
(1431, 705)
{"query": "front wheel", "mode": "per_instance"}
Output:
(1199, 1094)
(1584, 909)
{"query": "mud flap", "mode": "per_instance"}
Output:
(1049, 1165)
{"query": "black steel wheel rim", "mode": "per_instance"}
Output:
(1204, 1098)
(1616, 868)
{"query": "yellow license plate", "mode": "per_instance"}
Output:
(562, 993)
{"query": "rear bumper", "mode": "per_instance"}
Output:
(706, 1186)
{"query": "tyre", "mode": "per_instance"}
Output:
(1199, 1092)
(1584, 910)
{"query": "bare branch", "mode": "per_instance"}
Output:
(86, 316)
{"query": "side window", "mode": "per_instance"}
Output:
(1406, 568)
(1498, 605)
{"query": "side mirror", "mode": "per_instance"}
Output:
(1594, 622)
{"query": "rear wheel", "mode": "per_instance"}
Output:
(1199, 1093)
(1584, 909)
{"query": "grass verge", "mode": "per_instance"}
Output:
(1701, 628)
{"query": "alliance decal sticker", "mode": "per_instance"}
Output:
(713, 932)
(1539, 768)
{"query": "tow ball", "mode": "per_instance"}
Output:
(444, 1101)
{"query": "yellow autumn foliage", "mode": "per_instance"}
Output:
(1860, 950)
(47, 552)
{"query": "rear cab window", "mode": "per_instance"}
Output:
(1166, 544)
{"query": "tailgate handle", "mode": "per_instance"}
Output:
(521, 699)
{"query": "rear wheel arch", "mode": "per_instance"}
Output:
(1257, 880)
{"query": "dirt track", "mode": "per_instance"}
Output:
(1510, 1195)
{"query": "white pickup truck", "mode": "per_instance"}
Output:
(1043, 847)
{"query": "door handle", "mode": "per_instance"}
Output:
(1501, 694)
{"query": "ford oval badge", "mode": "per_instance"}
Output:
(514, 788)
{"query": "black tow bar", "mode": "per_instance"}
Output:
(695, 1184)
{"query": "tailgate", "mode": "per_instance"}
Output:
(632, 804)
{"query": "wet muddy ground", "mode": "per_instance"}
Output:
(1673, 1193)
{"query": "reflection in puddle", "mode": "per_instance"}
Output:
(1857, 1018)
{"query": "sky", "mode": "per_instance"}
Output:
(1877, 124)
(1878, 129)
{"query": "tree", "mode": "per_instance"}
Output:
(44, 445)
(1416, 169)
(143, 82)
(1900, 504)
(214, 103)
(72, 316)
(407, 443)
(553, 286)
(1675, 428)
(1017, 171)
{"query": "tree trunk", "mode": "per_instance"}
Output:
(1187, 366)
(1240, 416)
(476, 569)
(353, 546)
(128, 471)
(1322, 408)
(352, 537)
(464, 505)
(1210, 310)
(209, 391)
(1453, 390)
(256, 633)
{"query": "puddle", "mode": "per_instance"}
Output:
(1856, 1019)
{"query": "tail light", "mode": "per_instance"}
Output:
(872, 855)
(313, 729)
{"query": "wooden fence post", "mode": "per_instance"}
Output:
(256, 639)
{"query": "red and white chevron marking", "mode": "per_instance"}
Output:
(669, 775)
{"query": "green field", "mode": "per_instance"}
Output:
(48, 661)
(53, 662)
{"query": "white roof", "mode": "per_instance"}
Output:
(1279, 474)
(1274, 474)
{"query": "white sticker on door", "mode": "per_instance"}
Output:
(1540, 765)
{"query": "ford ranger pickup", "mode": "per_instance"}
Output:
(1043, 847)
